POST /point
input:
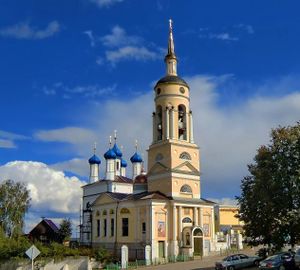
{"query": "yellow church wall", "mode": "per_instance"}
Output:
(207, 222)
(193, 151)
(227, 216)
(177, 184)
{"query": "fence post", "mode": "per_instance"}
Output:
(148, 254)
(124, 257)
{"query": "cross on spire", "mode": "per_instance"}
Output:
(109, 141)
(115, 135)
(95, 147)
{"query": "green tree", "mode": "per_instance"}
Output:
(14, 203)
(270, 195)
(65, 229)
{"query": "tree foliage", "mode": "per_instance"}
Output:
(14, 203)
(270, 195)
(65, 229)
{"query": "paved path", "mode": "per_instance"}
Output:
(205, 263)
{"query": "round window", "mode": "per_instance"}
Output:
(182, 90)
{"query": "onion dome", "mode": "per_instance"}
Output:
(94, 160)
(123, 163)
(117, 151)
(136, 158)
(110, 154)
(171, 79)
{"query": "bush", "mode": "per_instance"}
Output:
(103, 256)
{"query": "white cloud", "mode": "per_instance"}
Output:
(119, 38)
(73, 135)
(126, 47)
(105, 3)
(78, 166)
(7, 139)
(25, 31)
(246, 27)
(91, 91)
(91, 37)
(131, 52)
(86, 91)
(50, 190)
(4, 143)
(222, 36)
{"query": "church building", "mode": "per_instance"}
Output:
(162, 208)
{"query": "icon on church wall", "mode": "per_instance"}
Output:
(161, 229)
(206, 229)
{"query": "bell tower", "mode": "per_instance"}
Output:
(173, 157)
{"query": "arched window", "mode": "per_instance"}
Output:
(124, 211)
(186, 189)
(159, 123)
(159, 157)
(111, 211)
(186, 220)
(104, 213)
(185, 155)
(181, 122)
(198, 232)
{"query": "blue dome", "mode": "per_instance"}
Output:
(94, 160)
(117, 150)
(110, 154)
(136, 158)
(123, 163)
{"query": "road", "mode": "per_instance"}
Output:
(206, 263)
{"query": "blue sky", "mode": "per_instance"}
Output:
(73, 71)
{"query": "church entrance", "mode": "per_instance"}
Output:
(198, 241)
(161, 249)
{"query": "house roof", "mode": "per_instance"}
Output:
(51, 224)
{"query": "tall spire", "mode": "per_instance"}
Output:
(171, 50)
(170, 59)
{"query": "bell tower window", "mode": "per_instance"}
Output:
(159, 123)
(181, 122)
(186, 189)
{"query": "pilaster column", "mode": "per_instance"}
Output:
(195, 222)
(137, 225)
(172, 123)
(154, 127)
(167, 124)
(213, 223)
(180, 222)
(201, 217)
(148, 225)
(191, 127)
(174, 224)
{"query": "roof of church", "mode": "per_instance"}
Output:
(192, 200)
(123, 179)
(147, 195)
(172, 79)
(141, 179)
(116, 195)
